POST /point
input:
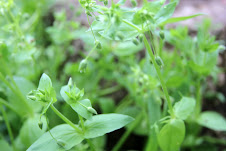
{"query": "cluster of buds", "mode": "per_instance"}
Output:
(74, 93)
(42, 96)
(88, 5)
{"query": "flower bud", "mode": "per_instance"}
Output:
(141, 37)
(91, 110)
(33, 98)
(98, 45)
(61, 143)
(88, 13)
(106, 2)
(120, 36)
(162, 35)
(82, 66)
(135, 41)
(159, 61)
(134, 3)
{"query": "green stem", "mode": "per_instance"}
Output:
(19, 94)
(109, 90)
(83, 129)
(132, 25)
(8, 127)
(65, 119)
(159, 75)
(128, 132)
(198, 98)
(4, 102)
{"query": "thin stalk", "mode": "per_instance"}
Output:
(65, 119)
(18, 93)
(128, 132)
(83, 129)
(91, 28)
(198, 98)
(132, 25)
(4, 102)
(8, 127)
(164, 88)
(161, 43)
(109, 90)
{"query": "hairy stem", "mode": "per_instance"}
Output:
(164, 88)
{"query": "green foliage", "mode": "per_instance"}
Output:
(171, 135)
(154, 93)
(212, 120)
(65, 137)
(184, 108)
(105, 123)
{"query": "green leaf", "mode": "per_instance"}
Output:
(64, 134)
(24, 86)
(127, 48)
(78, 106)
(178, 19)
(171, 135)
(212, 120)
(107, 105)
(105, 123)
(154, 6)
(184, 107)
(30, 130)
(5, 146)
(45, 82)
(165, 12)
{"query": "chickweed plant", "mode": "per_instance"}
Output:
(123, 51)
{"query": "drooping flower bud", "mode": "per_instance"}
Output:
(82, 66)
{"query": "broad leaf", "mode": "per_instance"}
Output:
(172, 135)
(30, 130)
(66, 136)
(165, 12)
(184, 108)
(212, 120)
(5, 146)
(105, 123)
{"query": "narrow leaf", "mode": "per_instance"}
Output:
(178, 19)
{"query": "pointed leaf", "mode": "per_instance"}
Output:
(45, 82)
(212, 120)
(165, 12)
(178, 19)
(184, 108)
(105, 123)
